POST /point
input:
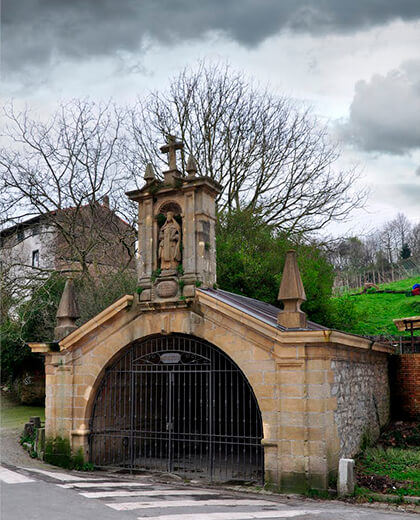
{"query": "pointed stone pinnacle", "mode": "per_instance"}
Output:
(149, 174)
(191, 166)
(67, 313)
(292, 294)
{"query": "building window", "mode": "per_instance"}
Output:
(20, 234)
(35, 230)
(35, 258)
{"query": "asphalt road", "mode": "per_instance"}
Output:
(32, 494)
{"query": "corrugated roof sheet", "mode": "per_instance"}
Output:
(261, 310)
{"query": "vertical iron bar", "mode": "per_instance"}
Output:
(210, 411)
(131, 404)
(170, 413)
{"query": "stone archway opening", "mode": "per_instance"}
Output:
(177, 403)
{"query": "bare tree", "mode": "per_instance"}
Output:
(65, 171)
(402, 230)
(59, 178)
(387, 241)
(415, 240)
(269, 156)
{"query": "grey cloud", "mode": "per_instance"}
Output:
(399, 195)
(417, 172)
(410, 193)
(34, 32)
(385, 112)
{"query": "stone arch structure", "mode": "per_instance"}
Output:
(296, 377)
(90, 352)
(177, 403)
(318, 390)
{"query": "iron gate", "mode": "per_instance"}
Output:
(176, 403)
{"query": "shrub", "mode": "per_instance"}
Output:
(342, 314)
(58, 453)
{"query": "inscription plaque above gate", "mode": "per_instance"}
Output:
(170, 358)
(167, 289)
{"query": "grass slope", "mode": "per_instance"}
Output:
(14, 415)
(375, 312)
(393, 465)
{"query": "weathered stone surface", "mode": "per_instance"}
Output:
(28, 429)
(292, 294)
(170, 243)
(67, 313)
(362, 393)
(145, 295)
(39, 445)
(167, 289)
(189, 291)
(36, 421)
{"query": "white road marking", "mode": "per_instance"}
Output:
(146, 493)
(128, 506)
(11, 477)
(103, 484)
(235, 516)
(63, 477)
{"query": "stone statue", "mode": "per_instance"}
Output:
(169, 243)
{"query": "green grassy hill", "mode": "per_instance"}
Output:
(375, 312)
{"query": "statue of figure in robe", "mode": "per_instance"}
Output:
(169, 243)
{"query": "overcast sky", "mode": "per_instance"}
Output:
(356, 62)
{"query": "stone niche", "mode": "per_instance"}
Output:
(177, 240)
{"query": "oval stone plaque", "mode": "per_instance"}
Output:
(167, 289)
(170, 358)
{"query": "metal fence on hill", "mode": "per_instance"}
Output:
(346, 282)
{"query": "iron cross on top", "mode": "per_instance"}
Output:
(170, 148)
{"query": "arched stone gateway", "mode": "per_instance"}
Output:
(185, 377)
(177, 403)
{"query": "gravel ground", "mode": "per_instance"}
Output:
(11, 452)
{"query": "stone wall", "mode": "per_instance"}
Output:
(405, 385)
(362, 392)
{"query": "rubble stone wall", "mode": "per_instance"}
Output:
(361, 389)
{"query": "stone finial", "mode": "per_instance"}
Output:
(67, 313)
(149, 174)
(292, 294)
(191, 166)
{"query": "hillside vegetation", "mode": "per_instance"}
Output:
(374, 312)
